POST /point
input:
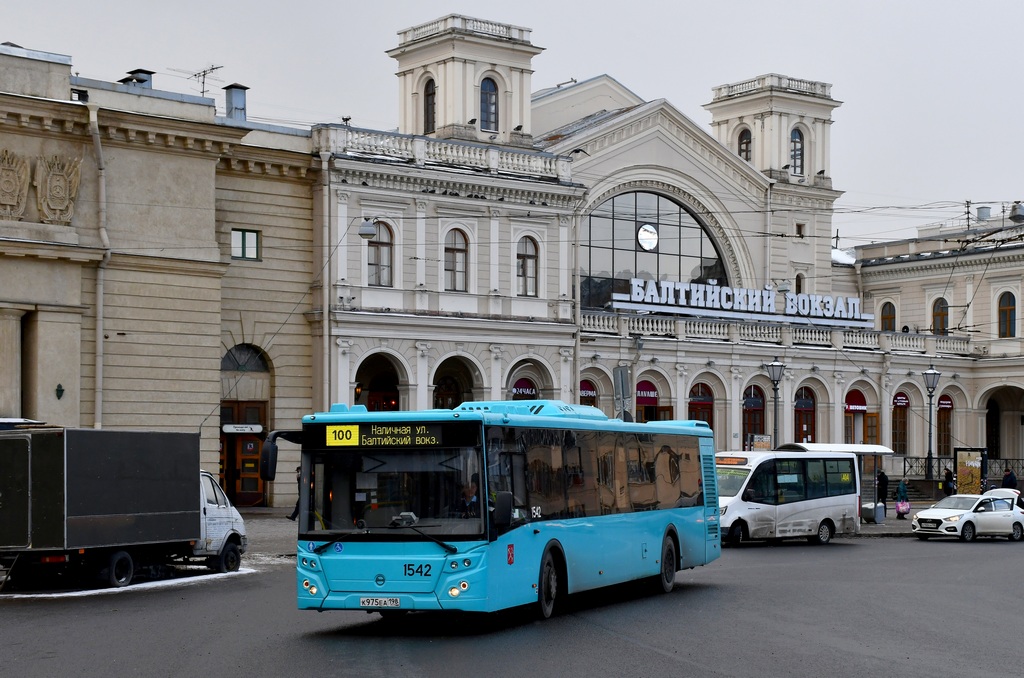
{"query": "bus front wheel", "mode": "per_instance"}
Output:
(547, 586)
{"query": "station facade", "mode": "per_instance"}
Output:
(165, 265)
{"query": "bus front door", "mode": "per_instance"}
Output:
(761, 499)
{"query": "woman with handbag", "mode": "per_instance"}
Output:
(902, 500)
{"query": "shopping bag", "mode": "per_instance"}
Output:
(902, 508)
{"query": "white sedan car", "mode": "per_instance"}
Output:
(969, 515)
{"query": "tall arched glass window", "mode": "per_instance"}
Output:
(702, 404)
(888, 316)
(526, 267)
(940, 317)
(488, 105)
(796, 152)
(429, 106)
(379, 254)
(647, 236)
(456, 256)
(1007, 315)
(743, 145)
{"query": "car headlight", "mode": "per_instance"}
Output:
(953, 519)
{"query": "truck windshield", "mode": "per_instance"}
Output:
(398, 491)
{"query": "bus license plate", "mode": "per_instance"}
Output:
(379, 602)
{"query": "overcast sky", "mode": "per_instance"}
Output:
(932, 90)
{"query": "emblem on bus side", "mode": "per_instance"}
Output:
(511, 553)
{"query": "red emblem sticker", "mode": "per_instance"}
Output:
(511, 553)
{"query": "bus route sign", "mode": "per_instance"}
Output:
(383, 435)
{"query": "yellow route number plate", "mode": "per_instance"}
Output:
(343, 435)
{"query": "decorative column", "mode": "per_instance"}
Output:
(10, 362)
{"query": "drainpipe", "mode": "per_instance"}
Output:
(101, 199)
(325, 279)
(768, 233)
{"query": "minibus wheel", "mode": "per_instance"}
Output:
(823, 535)
(738, 532)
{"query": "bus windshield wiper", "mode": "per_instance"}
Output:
(408, 519)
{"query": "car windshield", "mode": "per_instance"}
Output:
(957, 502)
(730, 480)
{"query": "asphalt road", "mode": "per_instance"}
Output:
(856, 607)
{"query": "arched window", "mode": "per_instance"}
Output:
(379, 257)
(900, 410)
(526, 267)
(798, 285)
(888, 316)
(753, 415)
(803, 420)
(244, 358)
(429, 106)
(1007, 315)
(456, 255)
(743, 147)
(488, 105)
(940, 317)
(796, 152)
(648, 236)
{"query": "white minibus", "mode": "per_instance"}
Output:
(783, 494)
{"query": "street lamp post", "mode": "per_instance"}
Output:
(931, 381)
(775, 372)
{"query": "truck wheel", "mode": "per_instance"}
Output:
(121, 569)
(230, 559)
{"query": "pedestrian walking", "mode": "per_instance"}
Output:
(883, 489)
(902, 500)
(947, 482)
(1009, 479)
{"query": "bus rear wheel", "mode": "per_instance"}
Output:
(667, 578)
(547, 586)
(823, 535)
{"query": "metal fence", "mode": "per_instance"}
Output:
(917, 467)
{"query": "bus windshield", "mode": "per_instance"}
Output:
(731, 479)
(382, 486)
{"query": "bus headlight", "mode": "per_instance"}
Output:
(454, 592)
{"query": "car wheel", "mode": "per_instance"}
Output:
(1017, 533)
(230, 558)
(823, 535)
(968, 533)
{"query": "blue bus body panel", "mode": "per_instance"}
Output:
(599, 550)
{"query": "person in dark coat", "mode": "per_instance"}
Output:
(883, 489)
(947, 481)
(1009, 479)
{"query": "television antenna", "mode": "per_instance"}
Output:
(201, 76)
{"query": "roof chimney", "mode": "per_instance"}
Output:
(234, 101)
(984, 213)
(140, 77)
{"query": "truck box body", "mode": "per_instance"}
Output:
(63, 489)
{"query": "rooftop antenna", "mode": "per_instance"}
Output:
(201, 76)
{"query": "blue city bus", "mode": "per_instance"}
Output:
(494, 505)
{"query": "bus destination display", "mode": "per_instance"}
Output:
(384, 435)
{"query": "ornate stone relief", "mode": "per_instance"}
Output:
(56, 184)
(14, 171)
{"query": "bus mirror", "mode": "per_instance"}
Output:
(502, 509)
(268, 459)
